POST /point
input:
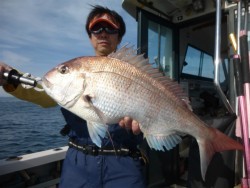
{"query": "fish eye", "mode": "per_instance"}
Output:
(63, 69)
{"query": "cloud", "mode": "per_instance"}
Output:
(36, 35)
(30, 22)
(14, 59)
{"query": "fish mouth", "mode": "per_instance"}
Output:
(48, 87)
(62, 101)
(46, 83)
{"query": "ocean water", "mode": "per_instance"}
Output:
(27, 128)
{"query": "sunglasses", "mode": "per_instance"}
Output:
(108, 30)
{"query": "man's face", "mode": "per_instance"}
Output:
(103, 41)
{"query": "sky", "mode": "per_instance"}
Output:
(37, 35)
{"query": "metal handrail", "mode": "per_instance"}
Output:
(217, 59)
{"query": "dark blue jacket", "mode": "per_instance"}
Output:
(101, 171)
(120, 136)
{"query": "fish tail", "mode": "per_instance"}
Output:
(208, 147)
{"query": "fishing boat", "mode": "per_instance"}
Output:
(194, 42)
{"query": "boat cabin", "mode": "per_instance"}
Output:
(189, 41)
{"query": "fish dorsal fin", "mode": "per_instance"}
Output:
(128, 55)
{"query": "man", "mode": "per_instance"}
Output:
(117, 163)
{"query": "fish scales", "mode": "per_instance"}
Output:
(102, 90)
(140, 86)
(129, 84)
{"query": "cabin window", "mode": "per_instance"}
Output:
(157, 41)
(159, 48)
(199, 65)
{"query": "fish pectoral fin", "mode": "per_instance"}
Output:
(87, 100)
(158, 142)
(97, 131)
(89, 104)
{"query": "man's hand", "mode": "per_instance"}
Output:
(3, 68)
(129, 123)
